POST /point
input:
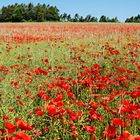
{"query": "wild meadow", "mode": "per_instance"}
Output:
(69, 81)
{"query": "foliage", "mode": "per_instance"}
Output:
(23, 12)
(42, 12)
(135, 19)
(106, 19)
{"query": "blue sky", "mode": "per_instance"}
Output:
(120, 8)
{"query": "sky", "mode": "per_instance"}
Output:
(121, 8)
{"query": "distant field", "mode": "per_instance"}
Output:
(67, 81)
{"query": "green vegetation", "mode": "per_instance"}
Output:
(23, 12)
(133, 19)
(43, 12)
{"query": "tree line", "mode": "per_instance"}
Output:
(42, 12)
(77, 18)
(135, 19)
(29, 12)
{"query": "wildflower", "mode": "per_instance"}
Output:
(51, 109)
(117, 121)
(90, 129)
(22, 135)
(10, 127)
(39, 112)
(110, 132)
(23, 125)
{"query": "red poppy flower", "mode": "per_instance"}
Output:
(51, 109)
(10, 127)
(20, 103)
(72, 127)
(119, 138)
(79, 103)
(43, 71)
(39, 112)
(117, 121)
(72, 95)
(43, 96)
(90, 129)
(110, 132)
(23, 125)
(126, 134)
(5, 117)
(22, 135)
(47, 128)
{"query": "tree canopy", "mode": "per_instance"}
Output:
(135, 19)
(29, 12)
(42, 12)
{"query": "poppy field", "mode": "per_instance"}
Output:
(69, 81)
